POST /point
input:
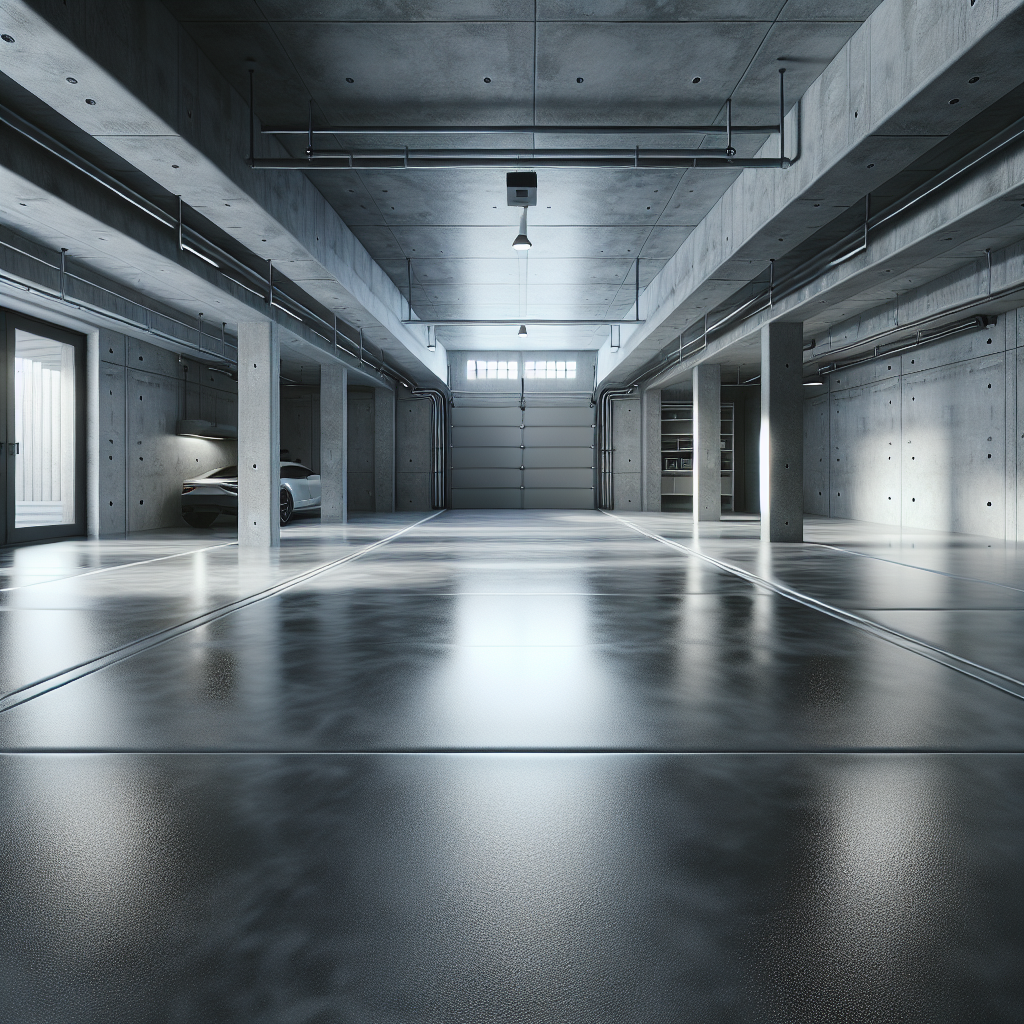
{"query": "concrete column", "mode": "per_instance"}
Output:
(650, 454)
(334, 443)
(782, 432)
(259, 436)
(384, 450)
(707, 443)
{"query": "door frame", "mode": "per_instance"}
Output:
(9, 323)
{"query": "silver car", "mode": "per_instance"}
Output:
(205, 497)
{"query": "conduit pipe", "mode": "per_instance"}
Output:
(605, 446)
(440, 487)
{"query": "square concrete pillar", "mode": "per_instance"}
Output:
(259, 436)
(650, 455)
(384, 450)
(707, 443)
(782, 432)
(334, 443)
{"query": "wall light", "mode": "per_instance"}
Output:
(522, 330)
(431, 340)
(207, 429)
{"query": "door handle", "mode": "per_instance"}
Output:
(13, 447)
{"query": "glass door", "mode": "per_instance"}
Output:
(44, 480)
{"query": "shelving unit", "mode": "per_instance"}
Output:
(677, 456)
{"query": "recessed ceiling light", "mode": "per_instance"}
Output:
(92, 103)
(695, 81)
(350, 80)
(6, 38)
(579, 81)
(72, 81)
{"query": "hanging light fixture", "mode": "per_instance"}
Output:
(431, 339)
(522, 330)
(521, 189)
(522, 242)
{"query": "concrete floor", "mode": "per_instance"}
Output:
(513, 767)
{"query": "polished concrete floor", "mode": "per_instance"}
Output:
(547, 766)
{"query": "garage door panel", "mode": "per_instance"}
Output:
(567, 497)
(487, 458)
(555, 458)
(486, 478)
(555, 444)
(558, 437)
(486, 498)
(559, 477)
(486, 416)
(559, 416)
(478, 437)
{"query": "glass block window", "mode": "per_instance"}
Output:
(492, 369)
(552, 369)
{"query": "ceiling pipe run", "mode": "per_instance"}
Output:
(434, 159)
(530, 129)
(348, 160)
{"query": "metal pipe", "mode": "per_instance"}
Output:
(632, 155)
(637, 290)
(729, 151)
(535, 129)
(782, 113)
(605, 465)
(520, 320)
(921, 338)
(438, 160)
(439, 468)
(252, 122)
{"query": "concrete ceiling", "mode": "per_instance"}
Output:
(426, 63)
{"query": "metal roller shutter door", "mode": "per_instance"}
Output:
(538, 457)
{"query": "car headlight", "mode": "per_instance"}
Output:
(185, 488)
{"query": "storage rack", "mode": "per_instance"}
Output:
(677, 456)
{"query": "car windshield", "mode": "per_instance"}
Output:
(228, 472)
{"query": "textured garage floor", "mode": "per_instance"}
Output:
(513, 767)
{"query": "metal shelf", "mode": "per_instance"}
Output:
(677, 448)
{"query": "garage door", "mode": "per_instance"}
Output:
(540, 456)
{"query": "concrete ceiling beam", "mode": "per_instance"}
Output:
(948, 230)
(901, 84)
(159, 104)
(114, 244)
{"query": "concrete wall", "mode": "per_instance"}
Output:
(930, 438)
(412, 455)
(361, 449)
(143, 392)
(300, 424)
(371, 432)
(384, 449)
(626, 454)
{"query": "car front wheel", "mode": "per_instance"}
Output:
(287, 505)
